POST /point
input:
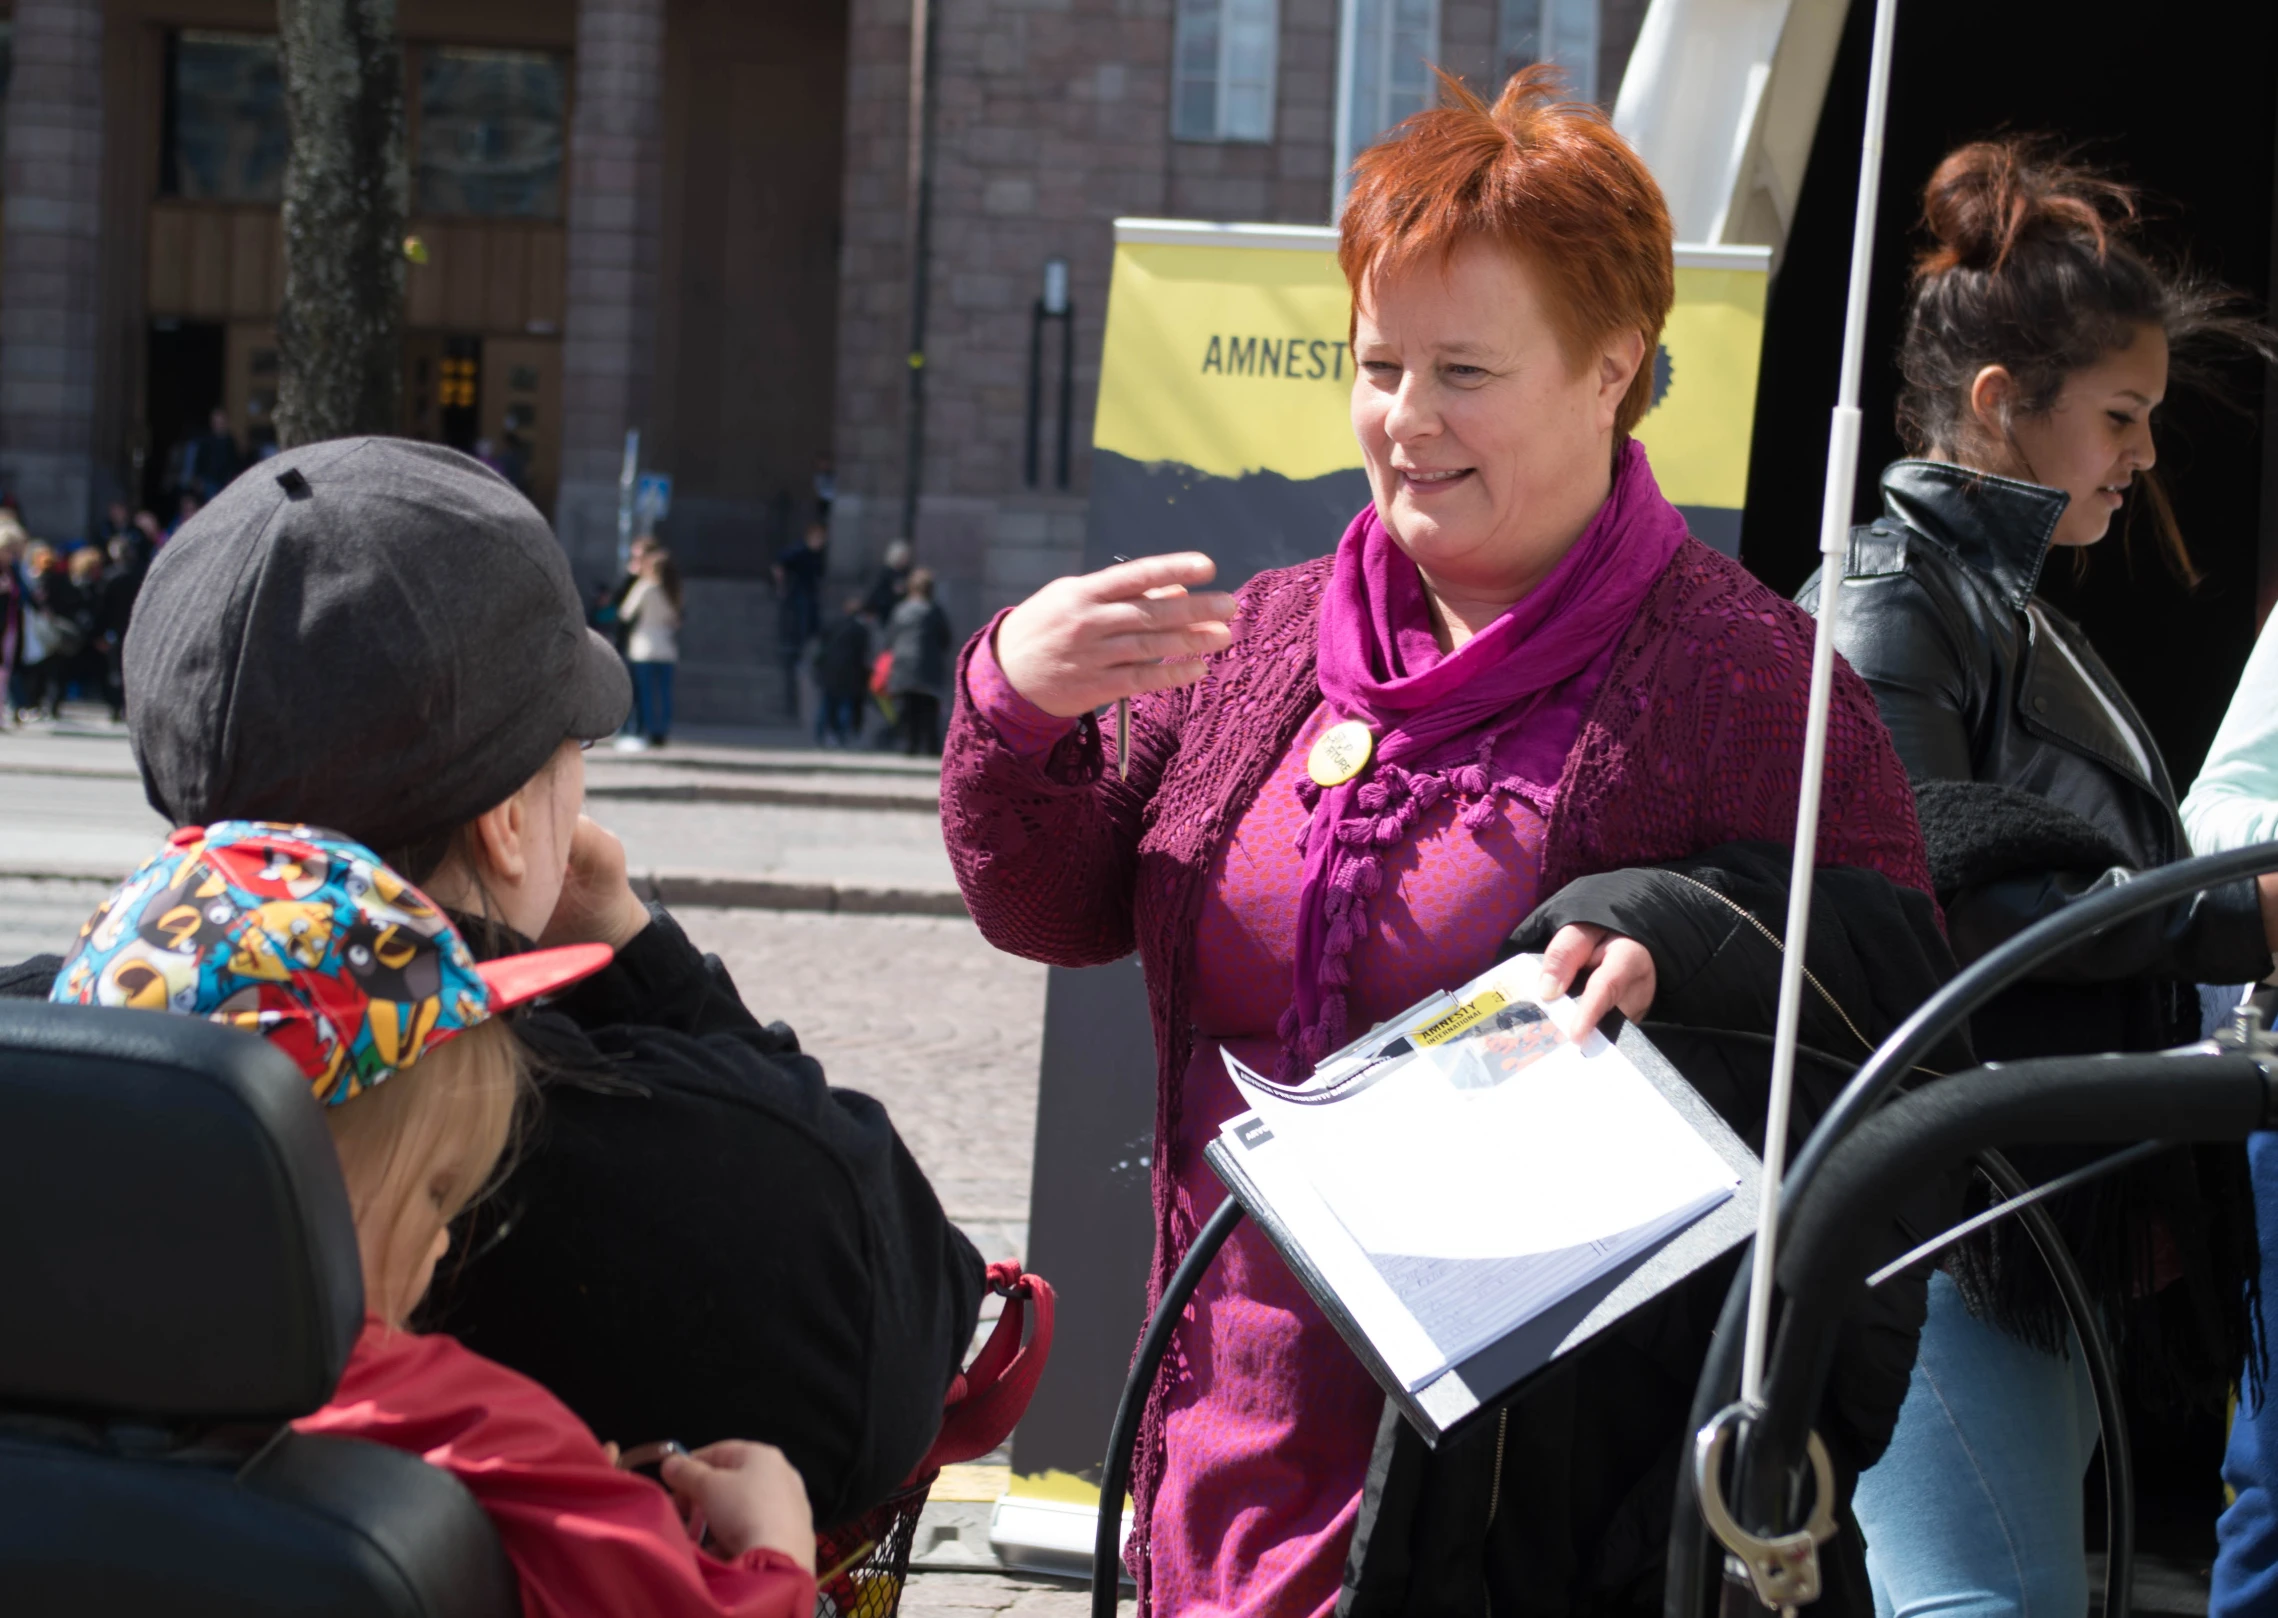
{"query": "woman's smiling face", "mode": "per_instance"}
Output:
(2094, 437)
(1488, 449)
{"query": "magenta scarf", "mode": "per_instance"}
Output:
(1457, 724)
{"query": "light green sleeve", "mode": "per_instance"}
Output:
(2235, 800)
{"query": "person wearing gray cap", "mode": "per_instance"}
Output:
(703, 1239)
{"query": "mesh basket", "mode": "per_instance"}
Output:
(861, 1565)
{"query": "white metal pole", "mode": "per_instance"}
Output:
(1341, 134)
(1834, 546)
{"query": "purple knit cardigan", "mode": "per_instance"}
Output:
(1695, 738)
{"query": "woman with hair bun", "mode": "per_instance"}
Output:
(2040, 338)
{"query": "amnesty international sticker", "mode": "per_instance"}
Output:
(1342, 753)
(1478, 1008)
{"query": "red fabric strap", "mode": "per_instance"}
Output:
(988, 1399)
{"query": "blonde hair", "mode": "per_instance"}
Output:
(394, 1138)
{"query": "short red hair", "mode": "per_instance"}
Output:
(1541, 175)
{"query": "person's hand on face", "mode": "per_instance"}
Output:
(750, 1495)
(547, 870)
(597, 903)
(1081, 642)
(1621, 975)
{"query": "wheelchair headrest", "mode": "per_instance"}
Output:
(175, 1239)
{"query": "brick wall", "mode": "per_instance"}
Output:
(1052, 118)
(50, 264)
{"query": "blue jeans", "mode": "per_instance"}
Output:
(652, 700)
(1974, 1511)
(2246, 1535)
(839, 716)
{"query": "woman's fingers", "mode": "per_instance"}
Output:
(1621, 975)
(1195, 640)
(1573, 948)
(1184, 569)
(1079, 643)
(1621, 979)
(1142, 615)
(1630, 965)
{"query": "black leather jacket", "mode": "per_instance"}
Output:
(1980, 680)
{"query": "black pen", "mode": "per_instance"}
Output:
(1123, 728)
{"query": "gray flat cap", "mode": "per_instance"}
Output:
(369, 634)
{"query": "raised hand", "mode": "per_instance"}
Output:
(1084, 641)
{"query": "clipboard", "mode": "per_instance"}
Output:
(1492, 1376)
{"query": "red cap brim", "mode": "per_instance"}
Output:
(514, 979)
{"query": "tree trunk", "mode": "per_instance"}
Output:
(339, 332)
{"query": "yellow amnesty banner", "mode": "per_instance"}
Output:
(1226, 352)
(1228, 359)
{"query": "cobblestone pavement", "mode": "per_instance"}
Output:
(985, 1595)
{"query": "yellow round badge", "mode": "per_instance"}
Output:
(1342, 753)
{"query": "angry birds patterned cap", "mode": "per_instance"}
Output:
(306, 938)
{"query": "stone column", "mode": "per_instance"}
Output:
(615, 211)
(49, 269)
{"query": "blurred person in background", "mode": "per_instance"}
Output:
(918, 636)
(12, 605)
(608, 615)
(51, 636)
(85, 675)
(130, 561)
(826, 488)
(651, 615)
(842, 677)
(889, 584)
(213, 458)
(799, 573)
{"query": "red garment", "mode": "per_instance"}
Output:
(1695, 738)
(586, 1540)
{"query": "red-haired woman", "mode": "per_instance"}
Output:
(1555, 681)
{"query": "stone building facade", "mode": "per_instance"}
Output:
(1052, 119)
(719, 255)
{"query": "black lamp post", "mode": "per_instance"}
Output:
(1051, 304)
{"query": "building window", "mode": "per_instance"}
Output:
(224, 127)
(1564, 32)
(1223, 74)
(1385, 53)
(490, 132)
